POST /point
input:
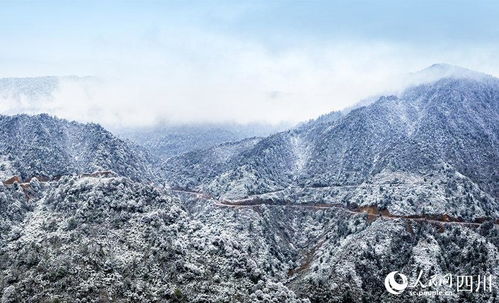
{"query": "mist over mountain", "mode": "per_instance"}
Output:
(37, 94)
(33, 88)
(321, 212)
(165, 141)
(442, 132)
(59, 94)
(225, 151)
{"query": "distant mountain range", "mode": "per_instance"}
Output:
(34, 95)
(165, 141)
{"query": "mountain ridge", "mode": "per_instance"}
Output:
(42, 145)
(446, 125)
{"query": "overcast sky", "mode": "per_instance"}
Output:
(247, 61)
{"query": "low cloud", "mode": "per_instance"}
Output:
(184, 77)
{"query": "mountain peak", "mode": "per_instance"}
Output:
(443, 70)
(444, 67)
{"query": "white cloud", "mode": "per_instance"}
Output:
(186, 75)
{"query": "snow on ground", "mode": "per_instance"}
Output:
(6, 169)
(300, 150)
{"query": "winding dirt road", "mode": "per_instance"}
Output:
(253, 202)
(372, 211)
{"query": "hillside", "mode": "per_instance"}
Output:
(84, 239)
(433, 148)
(45, 146)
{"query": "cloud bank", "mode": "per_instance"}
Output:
(151, 71)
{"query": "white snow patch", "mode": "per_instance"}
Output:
(300, 151)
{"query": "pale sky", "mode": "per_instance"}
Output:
(226, 61)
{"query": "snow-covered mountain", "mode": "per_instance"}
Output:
(91, 239)
(165, 141)
(86, 239)
(320, 213)
(44, 146)
(433, 148)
